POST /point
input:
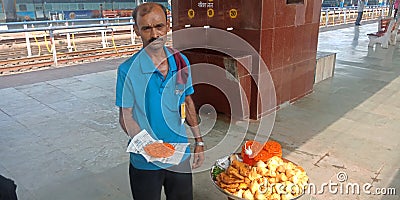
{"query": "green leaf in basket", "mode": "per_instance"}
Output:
(216, 171)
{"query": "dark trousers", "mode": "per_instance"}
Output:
(7, 189)
(359, 17)
(395, 12)
(147, 184)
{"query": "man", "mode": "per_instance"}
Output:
(360, 10)
(396, 8)
(150, 96)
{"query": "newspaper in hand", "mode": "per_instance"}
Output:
(143, 138)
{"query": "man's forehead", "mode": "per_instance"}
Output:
(153, 17)
(154, 11)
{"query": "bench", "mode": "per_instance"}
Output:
(383, 23)
(387, 33)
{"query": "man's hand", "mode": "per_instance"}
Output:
(191, 118)
(128, 124)
(198, 157)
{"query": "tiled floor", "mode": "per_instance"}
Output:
(60, 137)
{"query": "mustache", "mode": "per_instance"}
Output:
(154, 39)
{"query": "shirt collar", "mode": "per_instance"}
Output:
(147, 64)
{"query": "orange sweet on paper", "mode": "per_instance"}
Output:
(273, 148)
(160, 150)
(260, 152)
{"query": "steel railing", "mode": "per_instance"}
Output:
(334, 16)
(52, 26)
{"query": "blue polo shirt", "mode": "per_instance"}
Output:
(155, 101)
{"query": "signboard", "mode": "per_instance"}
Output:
(79, 14)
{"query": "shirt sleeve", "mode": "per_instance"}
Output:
(124, 90)
(189, 87)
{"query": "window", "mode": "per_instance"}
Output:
(22, 7)
(48, 6)
(295, 1)
(81, 6)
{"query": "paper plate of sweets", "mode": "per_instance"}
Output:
(259, 172)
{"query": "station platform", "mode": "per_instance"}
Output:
(60, 137)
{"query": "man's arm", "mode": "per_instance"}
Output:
(128, 124)
(191, 118)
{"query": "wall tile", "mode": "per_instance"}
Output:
(195, 56)
(289, 37)
(189, 38)
(277, 78)
(290, 15)
(245, 83)
(216, 58)
(297, 43)
(251, 36)
(309, 11)
(314, 36)
(268, 99)
(278, 46)
(252, 13)
(300, 15)
(286, 83)
(310, 74)
(280, 20)
(306, 40)
(267, 39)
(298, 80)
(316, 11)
(268, 15)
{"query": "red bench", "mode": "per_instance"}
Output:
(382, 27)
(387, 32)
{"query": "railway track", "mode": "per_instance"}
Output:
(14, 46)
(35, 62)
(15, 60)
(8, 41)
(16, 65)
(22, 53)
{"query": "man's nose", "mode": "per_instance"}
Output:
(154, 33)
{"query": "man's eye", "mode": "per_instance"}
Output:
(146, 28)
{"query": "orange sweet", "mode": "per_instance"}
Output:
(260, 152)
(160, 150)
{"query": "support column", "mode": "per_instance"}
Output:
(53, 47)
(103, 38)
(69, 47)
(28, 43)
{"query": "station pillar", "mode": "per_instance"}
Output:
(284, 33)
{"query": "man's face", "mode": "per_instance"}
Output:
(152, 27)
